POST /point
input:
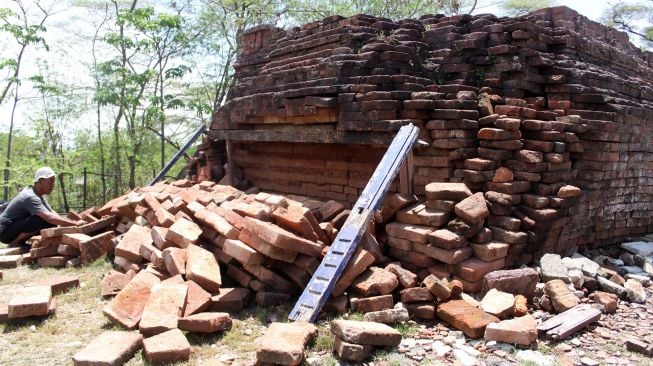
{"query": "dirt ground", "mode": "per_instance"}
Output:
(78, 319)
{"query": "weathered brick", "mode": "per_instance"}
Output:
(167, 347)
(163, 308)
(183, 233)
(127, 307)
(108, 349)
(202, 268)
(463, 316)
(284, 343)
(229, 300)
(30, 301)
(367, 333)
(129, 245)
(206, 322)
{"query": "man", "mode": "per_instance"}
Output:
(29, 212)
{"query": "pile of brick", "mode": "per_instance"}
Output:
(551, 97)
(66, 246)
(447, 234)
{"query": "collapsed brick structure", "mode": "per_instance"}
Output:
(516, 108)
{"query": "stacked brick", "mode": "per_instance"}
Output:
(66, 246)
(448, 235)
(512, 106)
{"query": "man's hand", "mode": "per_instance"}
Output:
(80, 222)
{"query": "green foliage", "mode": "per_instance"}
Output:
(632, 18)
(520, 7)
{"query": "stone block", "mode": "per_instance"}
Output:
(174, 260)
(515, 281)
(60, 284)
(561, 297)
(447, 191)
(197, 299)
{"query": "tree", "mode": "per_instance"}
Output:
(632, 18)
(135, 79)
(520, 7)
(24, 33)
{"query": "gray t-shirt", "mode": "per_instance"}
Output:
(25, 204)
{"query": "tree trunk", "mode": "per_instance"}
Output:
(9, 138)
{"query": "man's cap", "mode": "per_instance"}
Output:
(43, 173)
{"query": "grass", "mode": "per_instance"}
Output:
(407, 329)
(78, 319)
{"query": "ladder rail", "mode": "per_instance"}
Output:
(179, 153)
(321, 285)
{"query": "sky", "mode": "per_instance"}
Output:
(66, 32)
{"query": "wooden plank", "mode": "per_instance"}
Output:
(325, 136)
(570, 321)
(406, 175)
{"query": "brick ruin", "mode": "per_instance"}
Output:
(513, 107)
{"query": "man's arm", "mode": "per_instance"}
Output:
(56, 219)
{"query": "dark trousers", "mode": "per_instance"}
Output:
(30, 224)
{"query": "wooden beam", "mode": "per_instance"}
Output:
(324, 136)
(406, 175)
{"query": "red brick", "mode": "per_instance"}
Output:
(393, 203)
(414, 233)
(183, 233)
(163, 308)
(374, 303)
(96, 247)
(60, 283)
(55, 261)
(74, 239)
(202, 268)
(474, 269)
(284, 343)
(330, 209)
(450, 256)
(163, 217)
(463, 316)
(168, 347)
(370, 333)
(300, 220)
(109, 348)
(175, 260)
(129, 246)
(490, 251)
(447, 191)
(283, 239)
(159, 237)
(217, 223)
(375, 281)
(416, 294)
(127, 307)
(446, 239)
(359, 262)
(230, 300)
(242, 252)
(206, 322)
(30, 301)
(250, 238)
(115, 281)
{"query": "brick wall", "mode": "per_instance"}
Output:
(516, 106)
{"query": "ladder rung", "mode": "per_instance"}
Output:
(304, 305)
(315, 292)
(322, 278)
(329, 265)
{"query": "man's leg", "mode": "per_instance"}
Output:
(23, 229)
